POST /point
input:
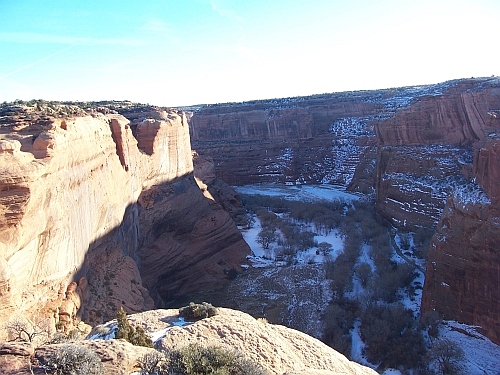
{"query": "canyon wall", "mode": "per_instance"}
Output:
(429, 155)
(286, 140)
(98, 211)
(463, 266)
(410, 146)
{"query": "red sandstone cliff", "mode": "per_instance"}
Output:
(463, 267)
(109, 204)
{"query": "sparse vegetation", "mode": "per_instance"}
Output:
(392, 335)
(22, 329)
(153, 363)
(71, 359)
(199, 360)
(448, 357)
(197, 311)
(136, 336)
(196, 359)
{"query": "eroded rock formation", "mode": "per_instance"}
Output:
(98, 212)
(463, 267)
(426, 150)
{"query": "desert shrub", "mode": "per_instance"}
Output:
(199, 360)
(71, 359)
(73, 335)
(136, 336)
(197, 311)
(153, 363)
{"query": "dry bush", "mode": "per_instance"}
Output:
(197, 311)
(73, 359)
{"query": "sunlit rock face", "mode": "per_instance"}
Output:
(426, 150)
(95, 199)
(285, 140)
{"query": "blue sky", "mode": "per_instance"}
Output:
(186, 52)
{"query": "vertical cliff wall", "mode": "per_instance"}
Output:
(104, 203)
(463, 267)
(426, 149)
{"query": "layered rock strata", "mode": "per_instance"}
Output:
(411, 146)
(463, 268)
(109, 205)
(426, 149)
(427, 153)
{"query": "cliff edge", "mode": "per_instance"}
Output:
(98, 211)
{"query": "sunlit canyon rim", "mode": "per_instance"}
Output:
(100, 205)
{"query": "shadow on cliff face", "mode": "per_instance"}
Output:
(172, 242)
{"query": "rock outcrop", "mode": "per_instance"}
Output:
(463, 267)
(426, 149)
(277, 348)
(98, 211)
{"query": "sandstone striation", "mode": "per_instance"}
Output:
(285, 140)
(88, 201)
(426, 149)
(411, 146)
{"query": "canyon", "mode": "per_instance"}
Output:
(104, 204)
(428, 156)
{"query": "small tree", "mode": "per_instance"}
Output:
(447, 355)
(22, 329)
(363, 272)
(431, 320)
(325, 248)
(266, 237)
(136, 336)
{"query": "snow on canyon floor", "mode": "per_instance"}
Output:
(303, 286)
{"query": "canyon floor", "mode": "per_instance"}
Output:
(296, 293)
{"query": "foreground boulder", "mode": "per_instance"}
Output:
(278, 349)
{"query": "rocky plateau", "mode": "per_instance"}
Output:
(280, 350)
